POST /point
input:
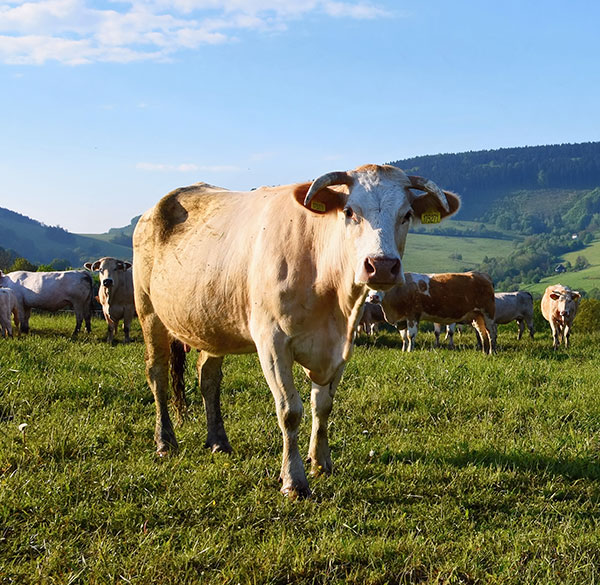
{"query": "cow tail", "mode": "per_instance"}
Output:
(177, 364)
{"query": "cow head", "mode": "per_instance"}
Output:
(567, 301)
(376, 208)
(375, 297)
(109, 270)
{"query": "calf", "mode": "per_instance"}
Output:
(559, 307)
(115, 293)
(443, 298)
(8, 307)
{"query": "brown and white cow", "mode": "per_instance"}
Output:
(51, 291)
(283, 271)
(559, 307)
(442, 298)
(8, 307)
(115, 293)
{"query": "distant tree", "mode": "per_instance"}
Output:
(22, 264)
(581, 262)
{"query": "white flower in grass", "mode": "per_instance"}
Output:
(22, 427)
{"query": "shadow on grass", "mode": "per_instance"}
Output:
(568, 467)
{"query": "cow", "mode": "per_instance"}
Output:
(283, 271)
(8, 307)
(442, 298)
(372, 315)
(514, 306)
(51, 291)
(115, 293)
(559, 306)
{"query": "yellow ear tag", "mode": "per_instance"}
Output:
(431, 216)
(318, 206)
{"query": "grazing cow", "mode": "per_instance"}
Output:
(442, 298)
(283, 271)
(51, 291)
(559, 306)
(8, 307)
(115, 293)
(514, 306)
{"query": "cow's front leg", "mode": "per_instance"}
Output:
(555, 335)
(566, 334)
(276, 362)
(321, 401)
(210, 375)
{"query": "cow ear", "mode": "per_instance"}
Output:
(324, 201)
(576, 295)
(554, 296)
(428, 208)
(126, 265)
(88, 266)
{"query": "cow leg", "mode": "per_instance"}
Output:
(413, 328)
(158, 353)
(321, 402)
(530, 327)
(210, 376)
(555, 335)
(450, 335)
(78, 322)
(126, 330)
(484, 333)
(5, 326)
(112, 328)
(24, 315)
(566, 335)
(521, 324)
(276, 362)
(437, 329)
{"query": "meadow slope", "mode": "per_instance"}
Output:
(449, 467)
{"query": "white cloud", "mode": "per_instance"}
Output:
(75, 32)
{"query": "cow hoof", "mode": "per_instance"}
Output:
(219, 446)
(316, 469)
(296, 493)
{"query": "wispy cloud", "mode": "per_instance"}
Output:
(75, 32)
(185, 168)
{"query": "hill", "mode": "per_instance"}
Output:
(41, 244)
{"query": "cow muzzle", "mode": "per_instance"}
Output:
(381, 272)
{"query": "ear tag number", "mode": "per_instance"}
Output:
(431, 216)
(318, 206)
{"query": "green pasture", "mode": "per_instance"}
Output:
(586, 279)
(449, 467)
(425, 253)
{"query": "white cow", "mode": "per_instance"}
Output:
(51, 291)
(559, 307)
(514, 306)
(115, 293)
(8, 307)
(283, 271)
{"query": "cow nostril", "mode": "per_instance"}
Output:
(369, 266)
(395, 270)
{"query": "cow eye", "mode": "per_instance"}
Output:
(349, 213)
(407, 217)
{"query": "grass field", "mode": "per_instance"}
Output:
(449, 467)
(583, 279)
(425, 253)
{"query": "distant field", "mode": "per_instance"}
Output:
(584, 279)
(426, 253)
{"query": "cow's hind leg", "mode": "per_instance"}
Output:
(177, 370)
(481, 326)
(276, 363)
(321, 401)
(210, 376)
(158, 353)
(521, 325)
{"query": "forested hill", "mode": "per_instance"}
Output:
(484, 176)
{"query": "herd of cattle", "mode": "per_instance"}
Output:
(285, 272)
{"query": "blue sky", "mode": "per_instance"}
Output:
(106, 106)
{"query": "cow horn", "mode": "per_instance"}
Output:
(430, 187)
(333, 178)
